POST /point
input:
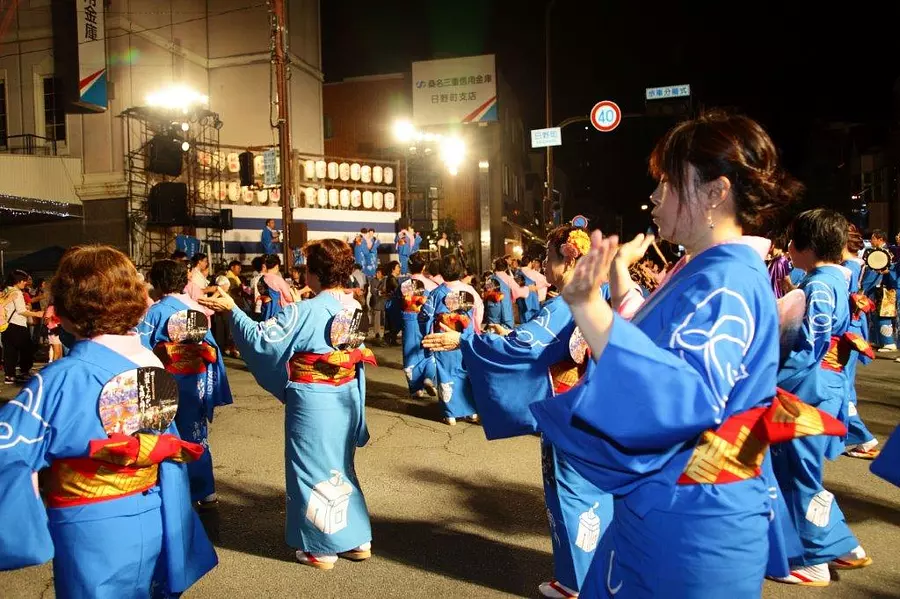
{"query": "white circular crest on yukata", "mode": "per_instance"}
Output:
(818, 512)
(28, 400)
(715, 341)
(445, 392)
(140, 399)
(187, 326)
(821, 296)
(274, 331)
(578, 347)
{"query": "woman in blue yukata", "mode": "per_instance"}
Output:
(310, 358)
(118, 521)
(677, 407)
(538, 360)
(176, 329)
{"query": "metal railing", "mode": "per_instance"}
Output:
(29, 144)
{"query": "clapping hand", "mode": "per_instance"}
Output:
(219, 302)
(634, 250)
(591, 271)
(448, 340)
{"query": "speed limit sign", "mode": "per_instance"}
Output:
(606, 116)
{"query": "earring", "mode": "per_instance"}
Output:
(709, 219)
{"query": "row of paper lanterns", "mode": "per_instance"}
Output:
(320, 170)
(346, 198)
(231, 162)
(215, 191)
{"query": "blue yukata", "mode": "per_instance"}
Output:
(815, 372)
(454, 386)
(418, 365)
(498, 312)
(267, 241)
(797, 275)
(361, 253)
(857, 432)
(530, 305)
(406, 247)
(882, 289)
(271, 304)
(323, 392)
(646, 422)
(202, 384)
(508, 373)
(128, 545)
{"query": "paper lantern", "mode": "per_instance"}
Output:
(332, 170)
(388, 175)
(247, 195)
(322, 198)
(333, 198)
(355, 198)
(259, 165)
(345, 198)
(262, 196)
(354, 171)
(377, 174)
(233, 191)
(367, 199)
(275, 195)
(321, 169)
(378, 200)
(344, 171)
(234, 163)
(365, 173)
(309, 196)
(309, 169)
(389, 200)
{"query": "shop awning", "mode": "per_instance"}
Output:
(15, 210)
(531, 235)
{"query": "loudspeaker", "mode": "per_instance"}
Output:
(246, 160)
(164, 155)
(298, 234)
(226, 219)
(168, 204)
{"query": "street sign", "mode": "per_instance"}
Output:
(270, 176)
(541, 138)
(580, 221)
(670, 91)
(606, 116)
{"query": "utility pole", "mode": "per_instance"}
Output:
(549, 116)
(284, 125)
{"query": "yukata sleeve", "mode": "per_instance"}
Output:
(814, 336)
(426, 315)
(268, 346)
(25, 440)
(509, 373)
(517, 291)
(645, 394)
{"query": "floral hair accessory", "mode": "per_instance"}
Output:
(577, 244)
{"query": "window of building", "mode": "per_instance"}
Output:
(54, 110)
(4, 130)
(327, 127)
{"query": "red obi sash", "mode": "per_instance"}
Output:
(566, 374)
(860, 304)
(838, 354)
(494, 295)
(413, 303)
(457, 322)
(336, 368)
(185, 358)
(735, 451)
(115, 467)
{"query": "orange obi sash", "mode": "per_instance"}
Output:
(860, 304)
(115, 467)
(457, 322)
(185, 358)
(565, 374)
(494, 296)
(336, 368)
(838, 354)
(413, 303)
(735, 451)
(887, 306)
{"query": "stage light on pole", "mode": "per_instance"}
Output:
(185, 146)
(177, 97)
(644, 206)
(185, 126)
(404, 131)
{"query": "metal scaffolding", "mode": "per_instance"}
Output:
(202, 164)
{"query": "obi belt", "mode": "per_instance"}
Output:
(860, 304)
(335, 368)
(494, 296)
(413, 303)
(735, 450)
(186, 358)
(456, 322)
(115, 467)
(565, 374)
(840, 349)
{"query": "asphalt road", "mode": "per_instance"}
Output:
(453, 515)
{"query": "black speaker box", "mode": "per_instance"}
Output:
(226, 219)
(168, 204)
(246, 160)
(223, 221)
(298, 234)
(164, 155)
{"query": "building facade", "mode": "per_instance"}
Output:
(219, 49)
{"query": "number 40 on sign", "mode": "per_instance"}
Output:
(606, 116)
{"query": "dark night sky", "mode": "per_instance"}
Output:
(786, 68)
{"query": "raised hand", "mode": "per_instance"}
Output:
(591, 271)
(446, 341)
(219, 302)
(634, 250)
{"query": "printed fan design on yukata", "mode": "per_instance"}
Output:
(143, 399)
(187, 326)
(345, 330)
(459, 304)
